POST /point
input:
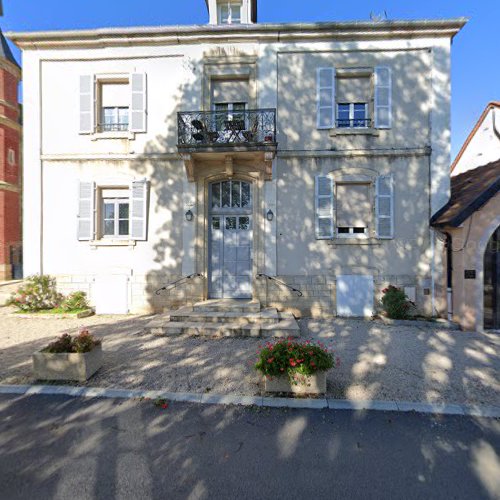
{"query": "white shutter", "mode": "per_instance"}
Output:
(383, 97)
(384, 207)
(138, 210)
(86, 211)
(324, 207)
(325, 97)
(138, 102)
(87, 91)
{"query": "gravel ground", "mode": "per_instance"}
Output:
(377, 361)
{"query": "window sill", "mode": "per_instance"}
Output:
(112, 243)
(354, 131)
(354, 241)
(113, 135)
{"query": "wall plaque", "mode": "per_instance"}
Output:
(470, 274)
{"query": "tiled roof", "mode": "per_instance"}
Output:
(469, 192)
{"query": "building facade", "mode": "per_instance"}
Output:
(10, 164)
(239, 154)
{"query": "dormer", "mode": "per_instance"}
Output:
(232, 11)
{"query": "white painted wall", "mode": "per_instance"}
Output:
(484, 146)
(56, 156)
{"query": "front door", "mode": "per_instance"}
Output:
(231, 241)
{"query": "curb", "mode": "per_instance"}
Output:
(262, 401)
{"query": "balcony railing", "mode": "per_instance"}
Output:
(112, 127)
(354, 123)
(222, 128)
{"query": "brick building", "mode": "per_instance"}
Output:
(10, 164)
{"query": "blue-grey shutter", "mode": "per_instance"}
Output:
(384, 207)
(86, 211)
(324, 204)
(138, 210)
(138, 102)
(325, 100)
(87, 92)
(383, 97)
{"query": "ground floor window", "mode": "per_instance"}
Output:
(115, 213)
(354, 209)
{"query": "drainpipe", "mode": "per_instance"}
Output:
(449, 275)
(433, 270)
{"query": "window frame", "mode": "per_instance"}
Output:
(351, 118)
(116, 201)
(367, 230)
(101, 126)
(230, 6)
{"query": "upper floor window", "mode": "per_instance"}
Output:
(114, 106)
(352, 115)
(229, 12)
(110, 103)
(354, 97)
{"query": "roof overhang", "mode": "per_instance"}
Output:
(173, 35)
(464, 214)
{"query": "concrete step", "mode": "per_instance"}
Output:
(227, 305)
(264, 316)
(287, 326)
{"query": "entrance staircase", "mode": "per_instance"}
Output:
(225, 318)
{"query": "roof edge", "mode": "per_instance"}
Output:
(360, 29)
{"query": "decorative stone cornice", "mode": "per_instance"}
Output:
(289, 32)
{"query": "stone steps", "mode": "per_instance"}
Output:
(227, 305)
(265, 316)
(213, 319)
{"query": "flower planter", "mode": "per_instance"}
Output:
(67, 366)
(312, 384)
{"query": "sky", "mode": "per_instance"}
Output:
(475, 63)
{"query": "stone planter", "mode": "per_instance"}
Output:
(312, 384)
(67, 366)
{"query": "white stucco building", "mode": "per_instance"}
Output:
(311, 153)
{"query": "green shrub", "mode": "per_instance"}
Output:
(294, 358)
(395, 303)
(83, 342)
(75, 301)
(36, 294)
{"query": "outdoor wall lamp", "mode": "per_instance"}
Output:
(189, 216)
(270, 215)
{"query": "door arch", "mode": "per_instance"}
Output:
(230, 259)
(491, 282)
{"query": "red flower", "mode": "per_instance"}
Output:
(292, 362)
(270, 360)
(164, 406)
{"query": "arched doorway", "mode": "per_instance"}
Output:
(230, 239)
(492, 282)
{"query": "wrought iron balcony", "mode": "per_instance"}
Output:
(226, 129)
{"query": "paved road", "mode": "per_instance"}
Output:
(68, 448)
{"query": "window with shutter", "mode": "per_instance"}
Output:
(86, 211)
(384, 207)
(324, 207)
(139, 210)
(87, 104)
(383, 97)
(325, 98)
(138, 102)
(354, 210)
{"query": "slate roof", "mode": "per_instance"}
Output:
(5, 51)
(469, 192)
